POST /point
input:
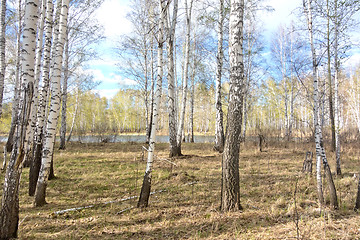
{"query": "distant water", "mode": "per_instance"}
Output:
(126, 138)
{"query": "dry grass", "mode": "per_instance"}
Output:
(95, 173)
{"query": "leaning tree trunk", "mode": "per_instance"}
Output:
(320, 151)
(64, 95)
(180, 130)
(146, 187)
(230, 182)
(54, 112)
(36, 163)
(219, 127)
(2, 51)
(171, 83)
(9, 213)
(15, 103)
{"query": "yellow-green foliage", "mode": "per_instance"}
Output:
(96, 173)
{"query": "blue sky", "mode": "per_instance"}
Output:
(112, 15)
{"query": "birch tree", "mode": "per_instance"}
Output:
(230, 183)
(180, 130)
(320, 150)
(2, 51)
(64, 94)
(54, 110)
(9, 213)
(36, 163)
(146, 186)
(15, 102)
(219, 127)
(171, 27)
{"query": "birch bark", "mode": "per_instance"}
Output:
(64, 95)
(320, 150)
(36, 163)
(54, 112)
(219, 127)
(171, 82)
(230, 182)
(146, 187)
(180, 130)
(15, 105)
(2, 51)
(336, 96)
(9, 213)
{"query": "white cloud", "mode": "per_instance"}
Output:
(108, 93)
(112, 15)
(281, 14)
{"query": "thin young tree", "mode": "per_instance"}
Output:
(219, 127)
(9, 213)
(54, 111)
(180, 130)
(2, 51)
(320, 150)
(64, 94)
(15, 102)
(146, 186)
(230, 182)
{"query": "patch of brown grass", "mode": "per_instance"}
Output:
(188, 209)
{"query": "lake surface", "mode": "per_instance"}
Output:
(126, 138)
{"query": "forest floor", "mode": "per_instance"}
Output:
(187, 207)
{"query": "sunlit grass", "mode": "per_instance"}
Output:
(90, 174)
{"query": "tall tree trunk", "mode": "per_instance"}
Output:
(15, 105)
(146, 187)
(331, 108)
(64, 95)
(36, 163)
(171, 83)
(2, 51)
(9, 213)
(230, 182)
(29, 146)
(219, 127)
(192, 99)
(336, 92)
(180, 129)
(320, 151)
(54, 112)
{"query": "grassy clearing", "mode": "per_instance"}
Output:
(188, 209)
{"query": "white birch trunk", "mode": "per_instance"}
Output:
(174, 150)
(64, 95)
(36, 163)
(219, 127)
(146, 187)
(2, 51)
(320, 151)
(336, 96)
(230, 181)
(32, 124)
(54, 110)
(15, 105)
(9, 213)
(180, 129)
